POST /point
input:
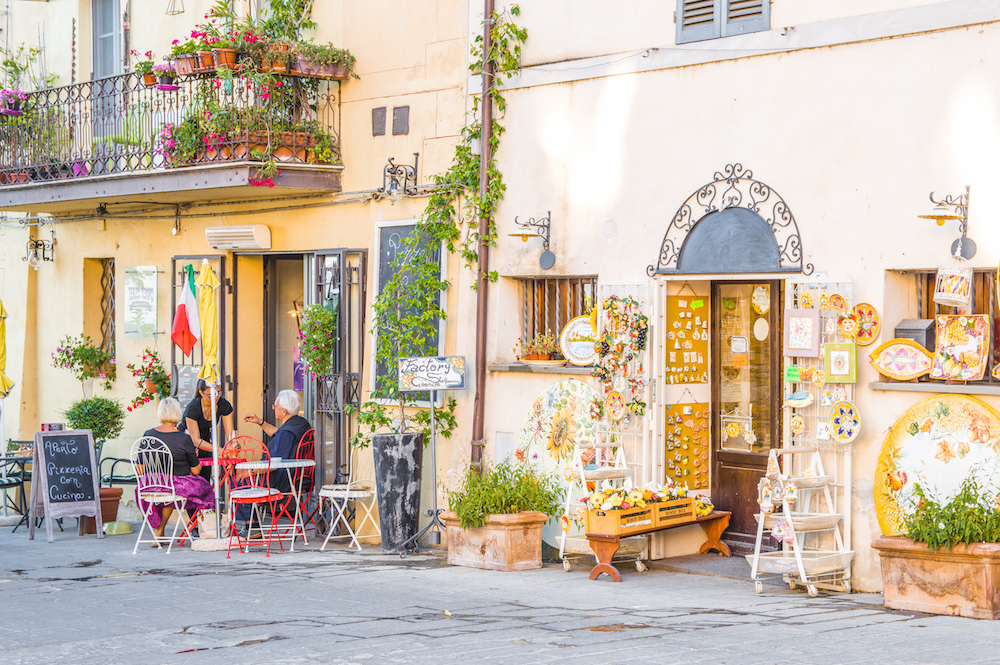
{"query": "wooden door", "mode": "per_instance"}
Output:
(746, 381)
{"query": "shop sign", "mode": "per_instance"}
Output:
(432, 373)
(140, 302)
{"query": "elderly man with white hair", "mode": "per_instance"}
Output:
(286, 436)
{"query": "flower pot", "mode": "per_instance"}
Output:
(397, 484)
(224, 58)
(149, 386)
(184, 64)
(14, 104)
(537, 356)
(148, 79)
(110, 496)
(205, 62)
(961, 581)
(505, 542)
(166, 79)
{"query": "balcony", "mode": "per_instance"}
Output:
(120, 141)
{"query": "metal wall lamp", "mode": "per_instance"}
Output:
(399, 180)
(954, 207)
(37, 251)
(537, 228)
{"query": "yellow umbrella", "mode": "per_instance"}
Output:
(208, 312)
(5, 383)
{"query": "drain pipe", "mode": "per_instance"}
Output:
(482, 279)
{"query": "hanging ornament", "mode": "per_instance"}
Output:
(175, 7)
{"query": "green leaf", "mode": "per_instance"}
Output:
(913, 429)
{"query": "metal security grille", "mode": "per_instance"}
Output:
(549, 304)
(108, 305)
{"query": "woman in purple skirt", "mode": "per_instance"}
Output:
(187, 482)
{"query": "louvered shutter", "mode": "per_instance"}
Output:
(698, 19)
(742, 16)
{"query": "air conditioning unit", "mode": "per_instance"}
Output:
(252, 236)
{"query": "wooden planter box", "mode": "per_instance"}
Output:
(505, 542)
(675, 511)
(620, 522)
(964, 581)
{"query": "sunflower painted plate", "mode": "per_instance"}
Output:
(837, 302)
(868, 323)
(614, 405)
(734, 430)
(845, 423)
(901, 359)
(797, 424)
(805, 300)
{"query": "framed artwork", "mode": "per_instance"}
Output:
(962, 345)
(840, 362)
(802, 333)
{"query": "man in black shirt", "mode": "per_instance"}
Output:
(286, 436)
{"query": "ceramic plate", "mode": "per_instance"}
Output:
(577, 342)
(805, 300)
(961, 348)
(847, 325)
(868, 323)
(901, 359)
(797, 424)
(614, 405)
(845, 423)
(837, 302)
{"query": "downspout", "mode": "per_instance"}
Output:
(482, 279)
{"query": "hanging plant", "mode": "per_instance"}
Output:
(152, 379)
(85, 360)
(317, 340)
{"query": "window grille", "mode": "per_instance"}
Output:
(549, 304)
(108, 305)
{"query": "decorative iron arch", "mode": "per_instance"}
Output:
(733, 187)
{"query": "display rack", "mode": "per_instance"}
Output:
(816, 517)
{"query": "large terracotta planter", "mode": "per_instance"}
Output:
(110, 496)
(963, 581)
(505, 542)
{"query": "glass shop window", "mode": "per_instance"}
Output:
(550, 303)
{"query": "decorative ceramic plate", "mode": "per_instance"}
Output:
(847, 325)
(734, 430)
(824, 300)
(961, 347)
(614, 405)
(902, 359)
(577, 342)
(936, 444)
(845, 423)
(819, 377)
(868, 323)
(797, 424)
(761, 299)
(837, 302)
(805, 300)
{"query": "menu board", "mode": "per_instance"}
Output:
(687, 339)
(686, 435)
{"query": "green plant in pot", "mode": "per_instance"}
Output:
(408, 312)
(103, 416)
(85, 360)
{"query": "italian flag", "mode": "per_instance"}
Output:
(187, 328)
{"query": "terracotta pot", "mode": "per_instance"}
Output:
(224, 58)
(300, 67)
(110, 496)
(206, 62)
(149, 386)
(287, 153)
(505, 542)
(538, 356)
(961, 581)
(184, 64)
(148, 79)
(18, 178)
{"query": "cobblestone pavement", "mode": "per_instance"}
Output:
(83, 600)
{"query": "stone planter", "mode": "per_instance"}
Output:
(505, 542)
(110, 496)
(398, 459)
(963, 581)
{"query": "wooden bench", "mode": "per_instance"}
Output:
(605, 544)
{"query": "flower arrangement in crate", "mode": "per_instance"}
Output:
(542, 347)
(151, 377)
(85, 360)
(625, 497)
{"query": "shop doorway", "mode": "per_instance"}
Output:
(746, 397)
(285, 285)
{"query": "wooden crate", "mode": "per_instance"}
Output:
(676, 511)
(620, 522)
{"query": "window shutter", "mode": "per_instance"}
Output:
(698, 19)
(742, 16)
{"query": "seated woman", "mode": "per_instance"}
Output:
(187, 482)
(197, 422)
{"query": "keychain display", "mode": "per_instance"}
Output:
(687, 340)
(686, 435)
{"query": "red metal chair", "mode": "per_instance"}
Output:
(251, 487)
(307, 475)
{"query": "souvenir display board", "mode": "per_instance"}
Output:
(936, 444)
(620, 369)
(961, 347)
(686, 434)
(687, 339)
(901, 359)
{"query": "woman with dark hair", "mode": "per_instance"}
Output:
(187, 483)
(198, 421)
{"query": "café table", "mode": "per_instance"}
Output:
(289, 465)
(13, 471)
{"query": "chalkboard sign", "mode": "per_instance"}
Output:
(390, 253)
(65, 479)
(186, 383)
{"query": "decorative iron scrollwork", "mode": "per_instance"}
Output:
(734, 187)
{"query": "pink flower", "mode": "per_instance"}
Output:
(176, 41)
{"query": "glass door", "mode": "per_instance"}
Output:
(746, 397)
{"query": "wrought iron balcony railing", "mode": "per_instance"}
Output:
(118, 125)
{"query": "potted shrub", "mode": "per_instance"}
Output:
(408, 313)
(144, 68)
(543, 347)
(495, 518)
(152, 379)
(104, 418)
(947, 559)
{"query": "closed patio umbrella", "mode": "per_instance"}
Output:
(5, 384)
(208, 313)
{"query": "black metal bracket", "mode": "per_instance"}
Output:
(399, 179)
(543, 224)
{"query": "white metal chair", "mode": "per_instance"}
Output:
(360, 488)
(153, 466)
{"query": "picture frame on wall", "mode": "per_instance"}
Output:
(840, 362)
(802, 333)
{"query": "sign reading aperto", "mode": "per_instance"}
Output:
(433, 373)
